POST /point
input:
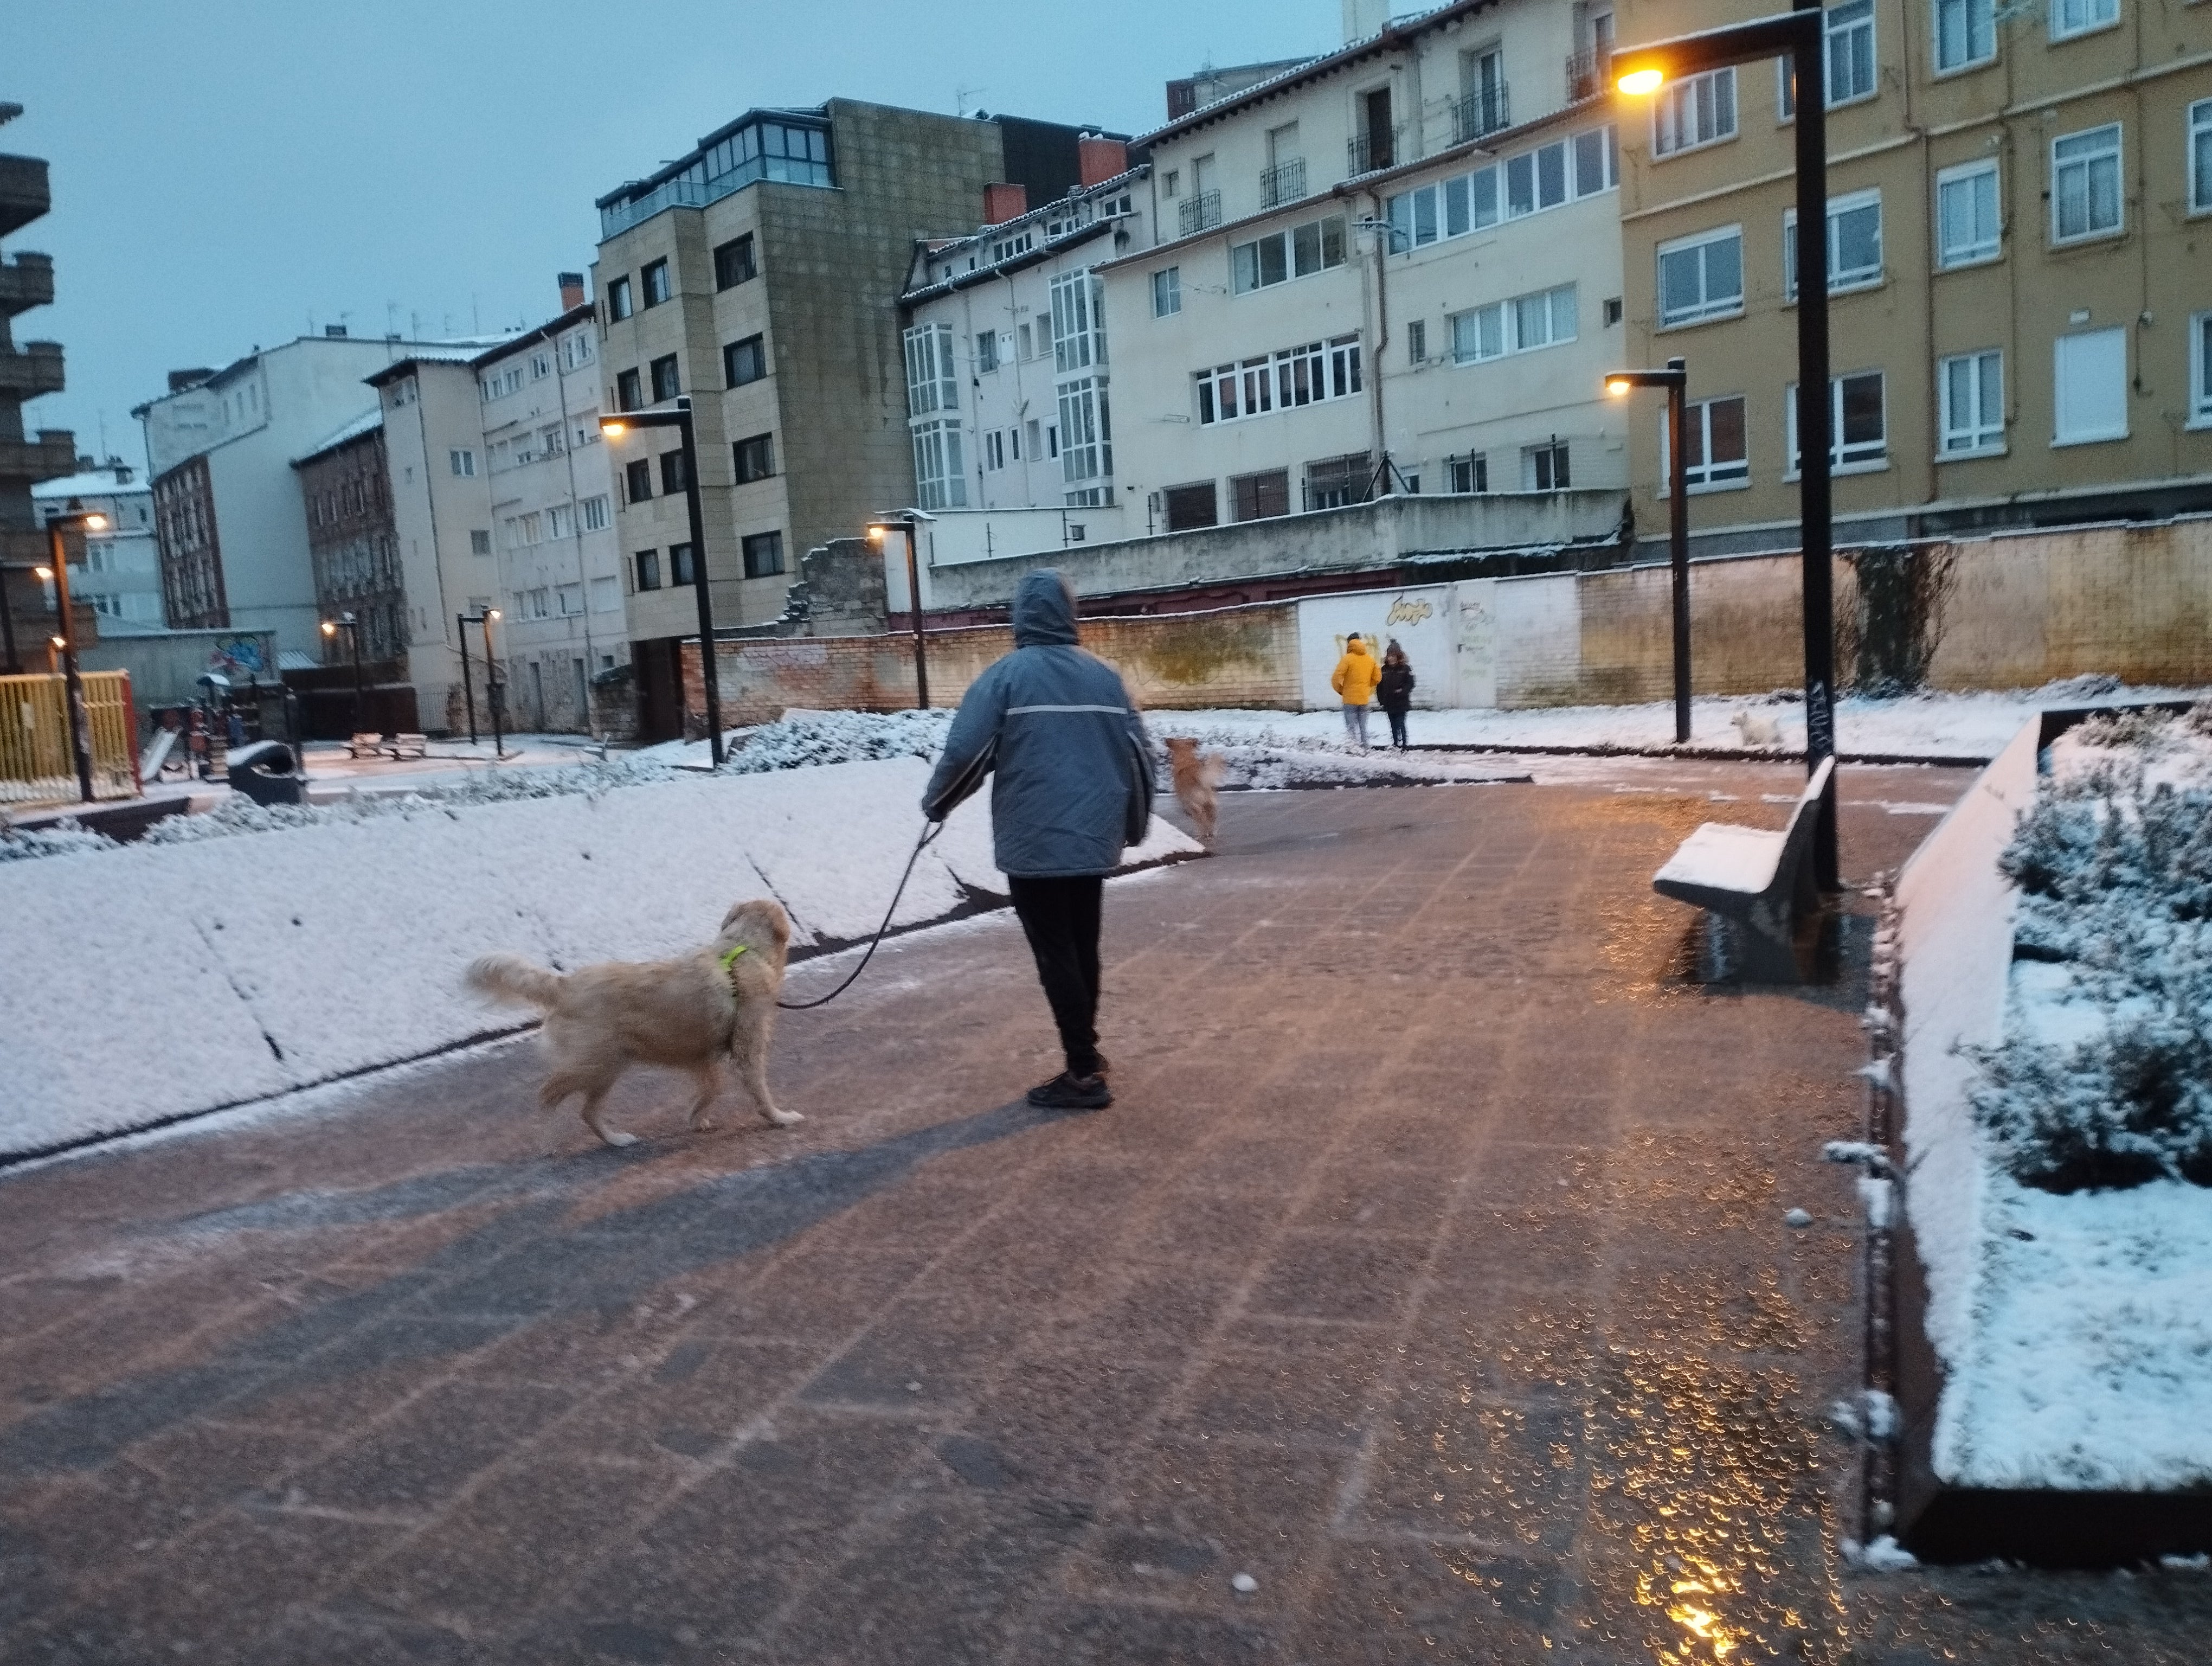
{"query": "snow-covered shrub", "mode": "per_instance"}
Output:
(66, 838)
(800, 738)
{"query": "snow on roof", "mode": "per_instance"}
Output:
(93, 482)
(352, 430)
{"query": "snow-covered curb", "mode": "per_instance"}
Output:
(2074, 1333)
(151, 982)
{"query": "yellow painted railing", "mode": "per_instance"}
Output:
(35, 763)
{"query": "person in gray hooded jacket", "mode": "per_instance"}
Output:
(1074, 787)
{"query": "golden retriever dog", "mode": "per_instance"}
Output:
(687, 1014)
(1197, 776)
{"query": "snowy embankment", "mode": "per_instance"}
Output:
(241, 956)
(2073, 1320)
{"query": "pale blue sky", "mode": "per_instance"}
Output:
(225, 173)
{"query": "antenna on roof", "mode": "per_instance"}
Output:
(961, 94)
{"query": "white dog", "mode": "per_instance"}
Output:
(1758, 730)
(687, 1014)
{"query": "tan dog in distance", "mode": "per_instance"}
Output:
(687, 1014)
(1197, 776)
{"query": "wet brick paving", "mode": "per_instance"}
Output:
(1431, 1272)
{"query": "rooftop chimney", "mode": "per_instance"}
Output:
(1097, 160)
(572, 290)
(334, 329)
(1364, 19)
(1002, 202)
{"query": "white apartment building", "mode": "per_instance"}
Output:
(558, 562)
(1008, 386)
(121, 574)
(1396, 268)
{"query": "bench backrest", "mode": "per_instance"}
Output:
(1802, 820)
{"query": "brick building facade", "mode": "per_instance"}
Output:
(347, 487)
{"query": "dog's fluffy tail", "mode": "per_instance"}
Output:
(510, 978)
(1212, 767)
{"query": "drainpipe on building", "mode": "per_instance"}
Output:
(575, 522)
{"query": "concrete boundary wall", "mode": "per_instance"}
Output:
(2007, 611)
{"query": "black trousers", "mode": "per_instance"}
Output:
(1397, 728)
(1060, 916)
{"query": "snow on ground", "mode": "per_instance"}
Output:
(2074, 1328)
(303, 946)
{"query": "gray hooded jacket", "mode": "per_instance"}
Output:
(1074, 769)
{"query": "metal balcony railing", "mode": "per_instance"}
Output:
(1372, 150)
(1285, 182)
(1484, 110)
(1200, 211)
(1587, 74)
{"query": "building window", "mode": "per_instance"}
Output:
(568, 599)
(672, 479)
(1972, 388)
(1714, 446)
(480, 541)
(618, 303)
(2089, 373)
(933, 379)
(1192, 506)
(994, 450)
(595, 513)
(755, 458)
(744, 361)
(1416, 340)
(1965, 33)
(1294, 376)
(1167, 294)
(463, 462)
(1314, 247)
(541, 366)
(734, 263)
(1544, 468)
(654, 281)
(1468, 474)
(1848, 52)
(679, 565)
(1700, 110)
(1858, 428)
(560, 522)
(986, 350)
(1260, 496)
(1968, 230)
(629, 391)
(665, 385)
(576, 349)
(1078, 322)
(1854, 244)
(1519, 326)
(638, 476)
(2085, 185)
(1701, 277)
(1086, 439)
(2200, 371)
(606, 595)
(648, 569)
(763, 555)
(1334, 482)
(2200, 156)
(2073, 17)
(939, 474)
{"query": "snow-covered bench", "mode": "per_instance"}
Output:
(395, 747)
(1759, 878)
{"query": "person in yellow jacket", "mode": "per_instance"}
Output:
(1354, 681)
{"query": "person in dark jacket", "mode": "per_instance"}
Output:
(1073, 786)
(1393, 691)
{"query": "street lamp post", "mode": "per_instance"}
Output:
(1675, 379)
(65, 641)
(904, 521)
(352, 627)
(1798, 35)
(495, 691)
(468, 689)
(679, 418)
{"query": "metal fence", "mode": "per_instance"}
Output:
(36, 764)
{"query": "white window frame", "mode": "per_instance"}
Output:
(1842, 281)
(2200, 370)
(1839, 461)
(2060, 440)
(1167, 292)
(933, 375)
(2198, 140)
(1086, 448)
(1666, 116)
(1078, 322)
(1707, 308)
(940, 473)
(1972, 12)
(1550, 451)
(1732, 475)
(1785, 104)
(1498, 326)
(1314, 373)
(2092, 15)
(2087, 160)
(463, 462)
(1978, 431)
(1979, 253)
(594, 516)
(1288, 237)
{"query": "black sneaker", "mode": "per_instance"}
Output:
(1102, 1066)
(1066, 1092)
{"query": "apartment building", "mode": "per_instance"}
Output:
(1008, 396)
(120, 577)
(1392, 269)
(757, 275)
(346, 484)
(2020, 224)
(557, 562)
(228, 509)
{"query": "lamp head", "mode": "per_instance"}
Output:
(58, 641)
(1641, 82)
(1617, 386)
(96, 522)
(492, 613)
(613, 427)
(330, 627)
(876, 533)
(46, 574)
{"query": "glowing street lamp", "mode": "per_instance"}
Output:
(1797, 35)
(1675, 379)
(56, 574)
(352, 626)
(904, 520)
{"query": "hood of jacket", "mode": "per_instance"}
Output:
(1043, 610)
(1355, 645)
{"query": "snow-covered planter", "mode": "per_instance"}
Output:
(2054, 988)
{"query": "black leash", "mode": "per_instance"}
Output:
(928, 833)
